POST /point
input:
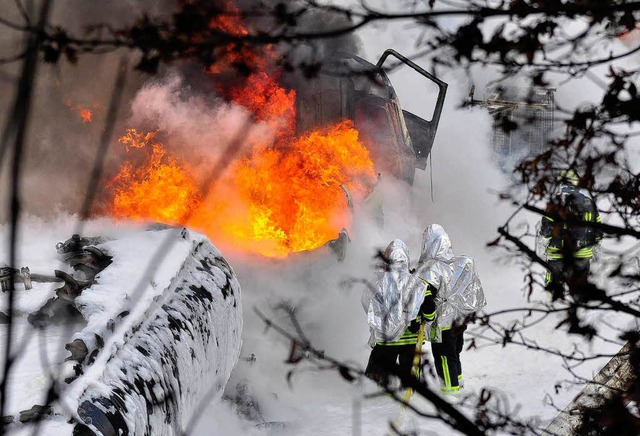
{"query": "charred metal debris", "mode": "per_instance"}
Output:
(81, 254)
(87, 260)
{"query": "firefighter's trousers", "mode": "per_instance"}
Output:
(446, 356)
(383, 360)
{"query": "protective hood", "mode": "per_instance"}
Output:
(459, 291)
(392, 304)
(436, 244)
(397, 254)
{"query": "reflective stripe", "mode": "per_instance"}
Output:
(427, 293)
(398, 342)
(450, 388)
(599, 234)
(415, 366)
(547, 218)
(554, 248)
(430, 316)
(407, 338)
(401, 341)
(554, 253)
(584, 253)
(445, 372)
(547, 278)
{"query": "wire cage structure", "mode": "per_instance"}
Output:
(523, 121)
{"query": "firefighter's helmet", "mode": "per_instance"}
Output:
(569, 177)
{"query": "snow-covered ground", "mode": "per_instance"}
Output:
(330, 314)
(311, 401)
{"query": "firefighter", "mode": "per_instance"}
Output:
(396, 310)
(567, 239)
(455, 282)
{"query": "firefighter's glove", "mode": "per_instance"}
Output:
(414, 327)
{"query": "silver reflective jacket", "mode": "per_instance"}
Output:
(455, 277)
(394, 302)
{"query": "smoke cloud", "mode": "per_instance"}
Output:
(193, 125)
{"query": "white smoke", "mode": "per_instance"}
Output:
(196, 127)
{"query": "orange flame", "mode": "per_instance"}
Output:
(257, 90)
(85, 112)
(86, 115)
(274, 201)
(160, 189)
(229, 22)
(278, 201)
(268, 101)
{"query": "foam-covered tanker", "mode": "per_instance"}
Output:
(158, 322)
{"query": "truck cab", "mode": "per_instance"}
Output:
(349, 87)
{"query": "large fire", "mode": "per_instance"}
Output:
(275, 200)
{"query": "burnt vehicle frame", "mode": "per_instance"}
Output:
(349, 87)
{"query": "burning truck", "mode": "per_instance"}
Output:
(328, 133)
(333, 136)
